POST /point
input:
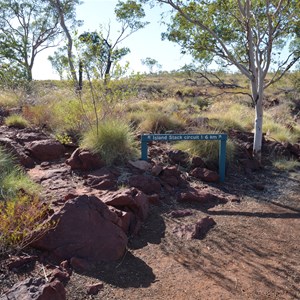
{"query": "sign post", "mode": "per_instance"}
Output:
(222, 138)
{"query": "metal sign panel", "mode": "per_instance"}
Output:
(222, 138)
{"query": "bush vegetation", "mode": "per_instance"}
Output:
(113, 140)
(16, 121)
(20, 207)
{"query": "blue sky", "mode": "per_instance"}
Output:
(143, 43)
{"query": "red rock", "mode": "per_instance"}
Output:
(197, 162)
(202, 227)
(171, 175)
(94, 289)
(154, 199)
(103, 182)
(141, 165)
(45, 150)
(85, 228)
(130, 199)
(205, 174)
(250, 165)
(195, 231)
(156, 170)
(20, 261)
(178, 157)
(60, 275)
(80, 264)
(146, 184)
(206, 195)
(127, 219)
(17, 151)
(180, 213)
(84, 160)
(36, 288)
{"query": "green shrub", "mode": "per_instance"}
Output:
(284, 164)
(21, 219)
(20, 208)
(207, 150)
(157, 122)
(16, 121)
(113, 140)
(12, 178)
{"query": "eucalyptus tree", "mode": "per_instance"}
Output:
(66, 13)
(255, 36)
(27, 27)
(99, 52)
(151, 63)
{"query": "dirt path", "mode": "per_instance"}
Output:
(252, 253)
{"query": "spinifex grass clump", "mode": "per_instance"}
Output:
(21, 221)
(12, 178)
(16, 121)
(156, 122)
(113, 140)
(207, 150)
(21, 210)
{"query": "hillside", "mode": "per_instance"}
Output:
(119, 227)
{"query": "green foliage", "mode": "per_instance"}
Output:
(12, 178)
(113, 140)
(226, 115)
(27, 27)
(155, 122)
(207, 150)
(21, 219)
(151, 63)
(16, 121)
(284, 164)
(63, 138)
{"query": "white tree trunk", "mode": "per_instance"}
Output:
(258, 123)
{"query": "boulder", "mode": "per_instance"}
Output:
(141, 165)
(178, 157)
(171, 175)
(17, 151)
(129, 199)
(84, 160)
(103, 182)
(145, 183)
(205, 174)
(45, 150)
(36, 288)
(197, 162)
(85, 228)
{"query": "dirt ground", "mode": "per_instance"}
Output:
(252, 253)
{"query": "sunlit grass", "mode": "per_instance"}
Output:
(17, 121)
(114, 141)
(284, 164)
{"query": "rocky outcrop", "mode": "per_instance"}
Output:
(84, 160)
(205, 174)
(145, 183)
(36, 288)
(85, 228)
(45, 150)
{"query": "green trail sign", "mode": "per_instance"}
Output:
(222, 138)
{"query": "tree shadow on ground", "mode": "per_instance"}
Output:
(152, 230)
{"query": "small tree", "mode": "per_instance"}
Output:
(151, 63)
(98, 54)
(27, 27)
(252, 35)
(66, 13)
